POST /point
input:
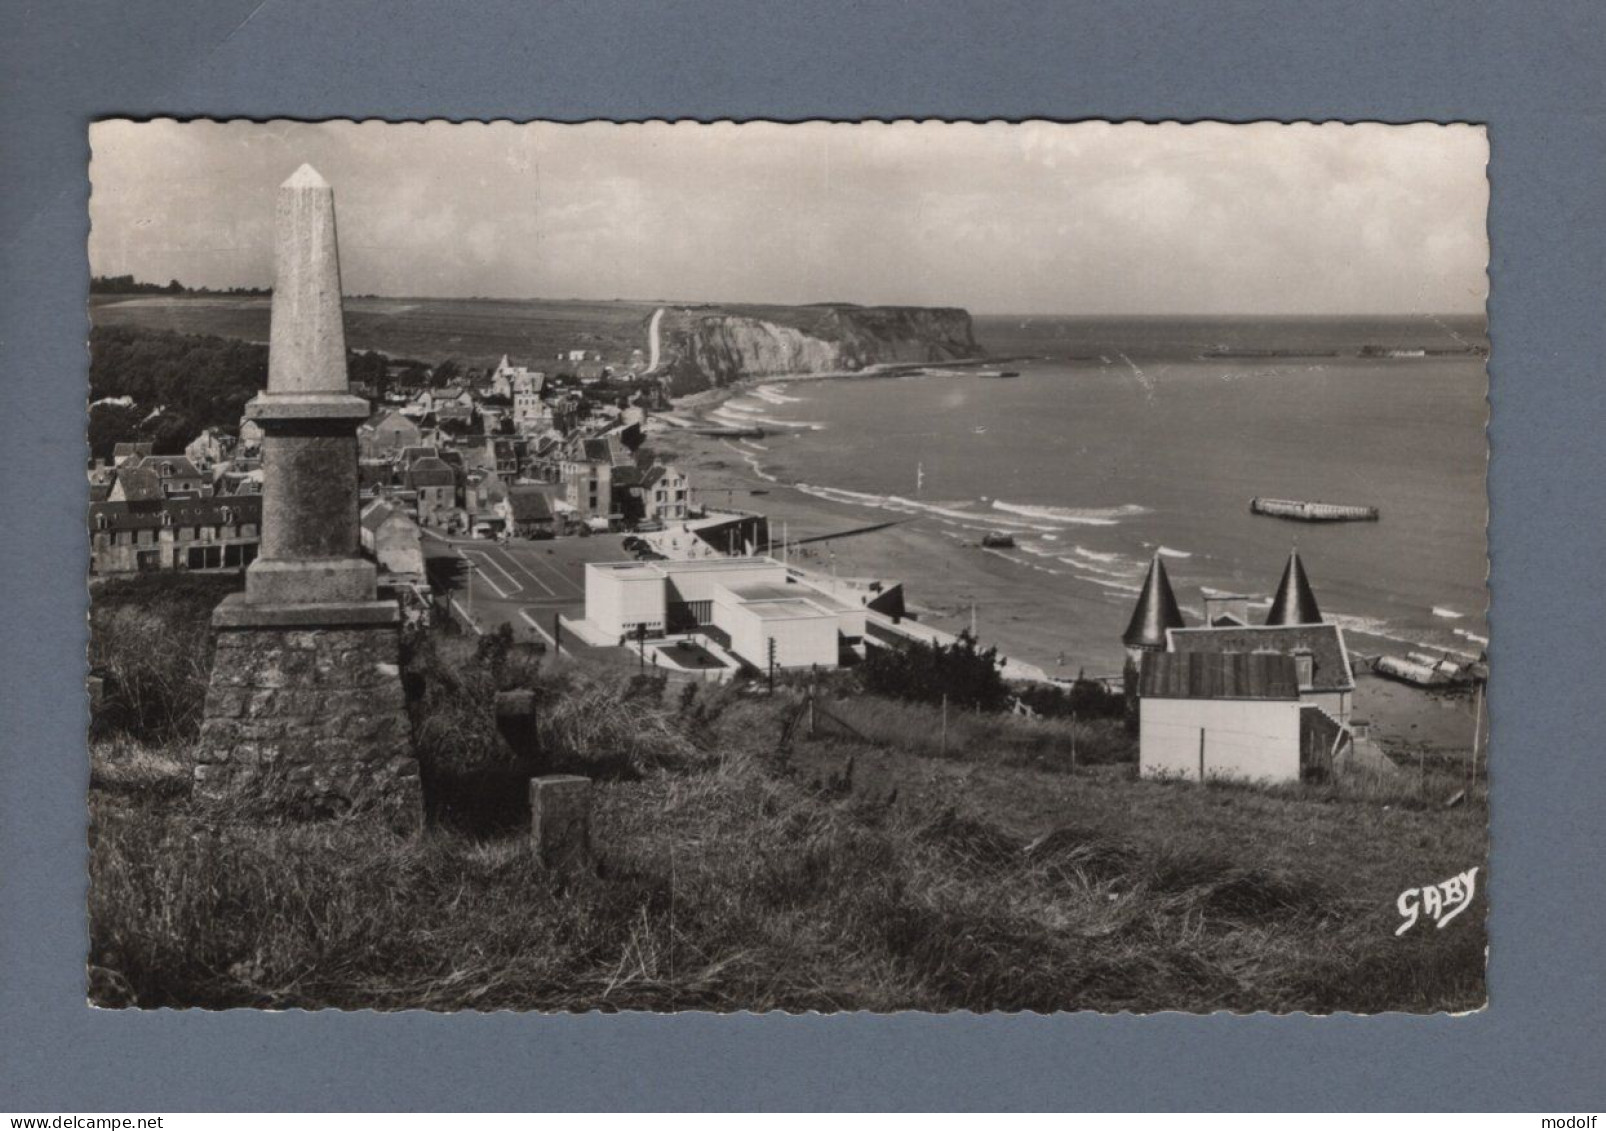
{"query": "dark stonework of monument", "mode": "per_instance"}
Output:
(305, 706)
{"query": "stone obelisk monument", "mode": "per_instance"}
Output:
(306, 704)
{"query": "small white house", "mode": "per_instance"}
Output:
(1212, 715)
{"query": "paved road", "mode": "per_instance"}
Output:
(652, 339)
(527, 584)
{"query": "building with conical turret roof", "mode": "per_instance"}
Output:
(1154, 615)
(1295, 603)
(1270, 701)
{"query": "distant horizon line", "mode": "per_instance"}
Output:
(267, 290)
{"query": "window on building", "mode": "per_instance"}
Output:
(1305, 667)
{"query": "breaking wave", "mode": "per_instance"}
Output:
(1129, 572)
(747, 417)
(773, 395)
(752, 461)
(1383, 630)
(1083, 516)
(1094, 555)
(1447, 614)
(900, 505)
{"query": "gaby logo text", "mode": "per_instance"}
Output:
(1440, 902)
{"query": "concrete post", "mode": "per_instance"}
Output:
(311, 548)
(560, 822)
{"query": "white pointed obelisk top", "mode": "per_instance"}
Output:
(307, 347)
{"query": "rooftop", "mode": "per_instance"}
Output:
(1294, 602)
(630, 569)
(1156, 610)
(1324, 642)
(759, 591)
(798, 608)
(178, 512)
(1232, 675)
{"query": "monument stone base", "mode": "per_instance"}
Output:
(306, 711)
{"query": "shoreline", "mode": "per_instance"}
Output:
(946, 578)
(708, 399)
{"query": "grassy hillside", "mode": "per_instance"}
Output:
(845, 872)
(473, 331)
(480, 331)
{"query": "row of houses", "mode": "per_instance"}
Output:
(507, 456)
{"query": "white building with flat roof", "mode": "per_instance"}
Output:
(755, 605)
(622, 597)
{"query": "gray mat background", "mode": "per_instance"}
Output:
(1533, 71)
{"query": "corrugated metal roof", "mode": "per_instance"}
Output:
(1206, 675)
(1324, 643)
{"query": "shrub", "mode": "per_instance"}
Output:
(962, 672)
(150, 639)
(475, 773)
(1085, 699)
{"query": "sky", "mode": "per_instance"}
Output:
(1038, 217)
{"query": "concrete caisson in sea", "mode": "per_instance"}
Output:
(1302, 511)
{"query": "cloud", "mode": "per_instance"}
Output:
(1035, 217)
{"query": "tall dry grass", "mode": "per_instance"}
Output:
(726, 882)
(151, 643)
(728, 879)
(972, 736)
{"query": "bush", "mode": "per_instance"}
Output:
(150, 640)
(1085, 699)
(962, 672)
(475, 773)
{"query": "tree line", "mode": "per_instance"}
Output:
(128, 285)
(196, 380)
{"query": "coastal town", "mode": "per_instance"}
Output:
(571, 621)
(541, 499)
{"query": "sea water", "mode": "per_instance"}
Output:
(1119, 441)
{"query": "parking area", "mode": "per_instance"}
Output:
(525, 584)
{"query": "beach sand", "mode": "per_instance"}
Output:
(942, 578)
